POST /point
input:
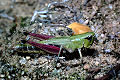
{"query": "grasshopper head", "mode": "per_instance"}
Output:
(90, 37)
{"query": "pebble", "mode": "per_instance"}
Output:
(86, 66)
(13, 75)
(65, 0)
(9, 77)
(110, 6)
(102, 35)
(58, 65)
(42, 60)
(97, 63)
(100, 55)
(35, 61)
(27, 57)
(107, 50)
(67, 68)
(23, 61)
(25, 78)
(22, 73)
(2, 75)
(81, 21)
(46, 74)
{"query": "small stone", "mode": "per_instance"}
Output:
(27, 57)
(107, 50)
(62, 57)
(22, 73)
(13, 75)
(9, 77)
(42, 60)
(95, 8)
(67, 68)
(97, 63)
(46, 74)
(24, 78)
(19, 1)
(23, 61)
(65, 0)
(102, 35)
(2, 75)
(58, 65)
(35, 61)
(86, 66)
(86, 22)
(81, 21)
(110, 6)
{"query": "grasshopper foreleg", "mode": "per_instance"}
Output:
(79, 50)
(59, 52)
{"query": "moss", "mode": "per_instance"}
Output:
(25, 21)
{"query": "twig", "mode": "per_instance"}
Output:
(111, 73)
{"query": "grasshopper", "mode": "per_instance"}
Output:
(72, 42)
(68, 42)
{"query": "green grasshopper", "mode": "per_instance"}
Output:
(73, 42)
(70, 43)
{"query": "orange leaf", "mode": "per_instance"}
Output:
(79, 28)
